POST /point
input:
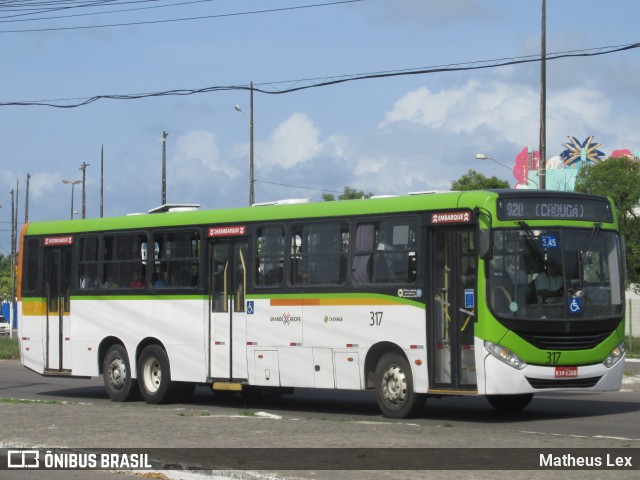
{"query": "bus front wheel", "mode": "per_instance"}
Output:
(116, 373)
(394, 388)
(510, 403)
(154, 375)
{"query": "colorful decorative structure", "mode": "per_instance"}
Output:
(586, 151)
(526, 161)
(625, 152)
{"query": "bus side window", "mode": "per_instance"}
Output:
(385, 252)
(319, 253)
(32, 270)
(269, 256)
(123, 266)
(88, 263)
(177, 259)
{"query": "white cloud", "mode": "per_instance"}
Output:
(294, 142)
(197, 149)
(509, 110)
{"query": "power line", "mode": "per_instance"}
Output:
(180, 4)
(297, 186)
(327, 81)
(185, 19)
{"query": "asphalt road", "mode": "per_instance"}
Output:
(60, 412)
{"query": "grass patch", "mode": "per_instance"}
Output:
(248, 413)
(9, 349)
(632, 347)
(26, 401)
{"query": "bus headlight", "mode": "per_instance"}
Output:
(505, 355)
(614, 357)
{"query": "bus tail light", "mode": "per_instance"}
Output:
(505, 355)
(615, 356)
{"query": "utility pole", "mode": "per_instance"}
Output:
(83, 168)
(542, 172)
(102, 181)
(252, 197)
(26, 202)
(164, 167)
(13, 259)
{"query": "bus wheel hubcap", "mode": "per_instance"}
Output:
(394, 385)
(117, 373)
(152, 375)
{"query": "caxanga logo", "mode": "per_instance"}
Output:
(286, 319)
(329, 318)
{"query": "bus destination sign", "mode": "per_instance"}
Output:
(458, 216)
(554, 208)
(228, 231)
(56, 241)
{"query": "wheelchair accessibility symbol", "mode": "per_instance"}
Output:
(575, 305)
(250, 307)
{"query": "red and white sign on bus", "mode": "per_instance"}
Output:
(451, 217)
(228, 231)
(55, 241)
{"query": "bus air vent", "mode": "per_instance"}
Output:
(573, 341)
(563, 383)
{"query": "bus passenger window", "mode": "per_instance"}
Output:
(269, 259)
(88, 263)
(123, 266)
(385, 252)
(31, 269)
(177, 263)
(319, 254)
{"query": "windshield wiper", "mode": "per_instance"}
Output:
(581, 255)
(525, 226)
(594, 232)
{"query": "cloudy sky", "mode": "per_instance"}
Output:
(388, 136)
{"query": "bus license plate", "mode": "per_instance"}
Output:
(566, 372)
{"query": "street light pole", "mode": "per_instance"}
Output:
(251, 171)
(73, 184)
(482, 156)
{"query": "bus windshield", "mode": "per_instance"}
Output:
(555, 274)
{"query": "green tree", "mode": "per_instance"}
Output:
(618, 178)
(349, 193)
(6, 282)
(473, 180)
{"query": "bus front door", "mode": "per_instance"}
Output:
(227, 309)
(453, 315)
(58, 327)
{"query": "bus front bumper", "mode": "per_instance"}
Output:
(502, 379)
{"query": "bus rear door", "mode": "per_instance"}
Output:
(58, 319)
(227, 308)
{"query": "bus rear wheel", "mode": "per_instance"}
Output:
(510, 403)
(394, 388)
(154, 376)
(116, 374)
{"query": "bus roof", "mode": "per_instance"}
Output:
(371, 206)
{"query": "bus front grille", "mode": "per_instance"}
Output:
(541, 383)
(584, 341)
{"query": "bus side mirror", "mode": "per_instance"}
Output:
(485, 250)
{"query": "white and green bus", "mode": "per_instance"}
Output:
(431, 294)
